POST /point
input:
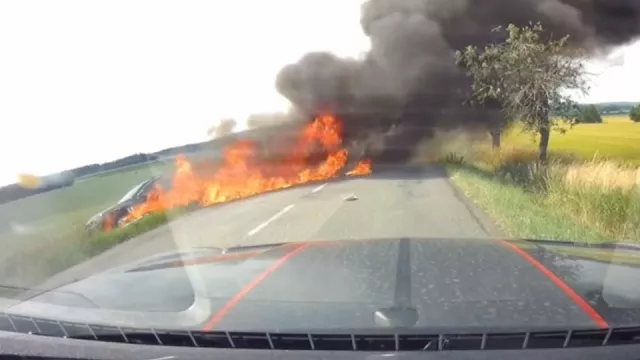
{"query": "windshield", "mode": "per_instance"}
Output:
(358, 166)
(131, 193)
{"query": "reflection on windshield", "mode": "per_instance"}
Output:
(133, 192)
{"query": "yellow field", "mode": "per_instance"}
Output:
(617, 138)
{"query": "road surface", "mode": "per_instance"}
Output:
(466, 282)
(393, 202)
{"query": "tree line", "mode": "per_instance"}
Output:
(134, 159)
(592, 113)
(635, 113)
(67, 178)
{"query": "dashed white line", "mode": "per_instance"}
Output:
(319, 188)
(270, 220)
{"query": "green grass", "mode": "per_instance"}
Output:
(81, 199)
(562, 200)
(47, 230)
(59, 253)
(520, 213)
(616, 138)
(144, 167)
(588, 191)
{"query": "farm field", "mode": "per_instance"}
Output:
(617, 138)
(591, 196)
(31, 227)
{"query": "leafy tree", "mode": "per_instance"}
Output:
(589, 114)
(529, 74)
(635, 113)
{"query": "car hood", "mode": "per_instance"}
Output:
(364, 284)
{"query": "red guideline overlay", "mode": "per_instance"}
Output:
(215, 319)
(577, 299)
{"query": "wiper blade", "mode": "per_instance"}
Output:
(251, 247)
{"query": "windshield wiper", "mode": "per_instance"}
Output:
(251, 247)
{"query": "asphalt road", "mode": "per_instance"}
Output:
(464, 282)
(393, 202)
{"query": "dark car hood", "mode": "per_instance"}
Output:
(446, 283)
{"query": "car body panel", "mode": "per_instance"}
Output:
(116, 212)
(335, 286)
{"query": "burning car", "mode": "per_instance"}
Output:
(115, 215)
(243, 169)
(315, 153)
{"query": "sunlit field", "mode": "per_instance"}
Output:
(588, 191)
(617, 138)
(47, 230)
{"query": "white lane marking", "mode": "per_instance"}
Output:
(319, 188)
(270, 220)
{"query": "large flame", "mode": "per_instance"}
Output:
(244, 173)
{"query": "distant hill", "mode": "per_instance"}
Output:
(609, 108)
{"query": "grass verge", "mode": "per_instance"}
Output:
(61, 252)
(519, 213)
(565, 199)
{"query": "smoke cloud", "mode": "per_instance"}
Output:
(224, 127)
(409, 76)
(259, 120)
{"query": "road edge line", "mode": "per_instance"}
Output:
(318, 188)
(482, 218)
(273, 218)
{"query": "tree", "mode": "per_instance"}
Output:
(589, 114)
(529, 74)
(635, 113)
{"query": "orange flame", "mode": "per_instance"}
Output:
(242, 174)
(362, 168)
(108, 223)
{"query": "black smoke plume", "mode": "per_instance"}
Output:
(409, 76)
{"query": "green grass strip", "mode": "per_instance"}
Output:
(521, 214)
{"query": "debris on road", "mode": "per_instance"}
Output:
(351, 197)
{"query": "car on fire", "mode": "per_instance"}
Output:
(114, 216)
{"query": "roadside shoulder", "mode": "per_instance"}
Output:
(483, 219)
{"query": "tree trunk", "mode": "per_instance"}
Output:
(495, 139)
(544, 126)
(544, 142)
